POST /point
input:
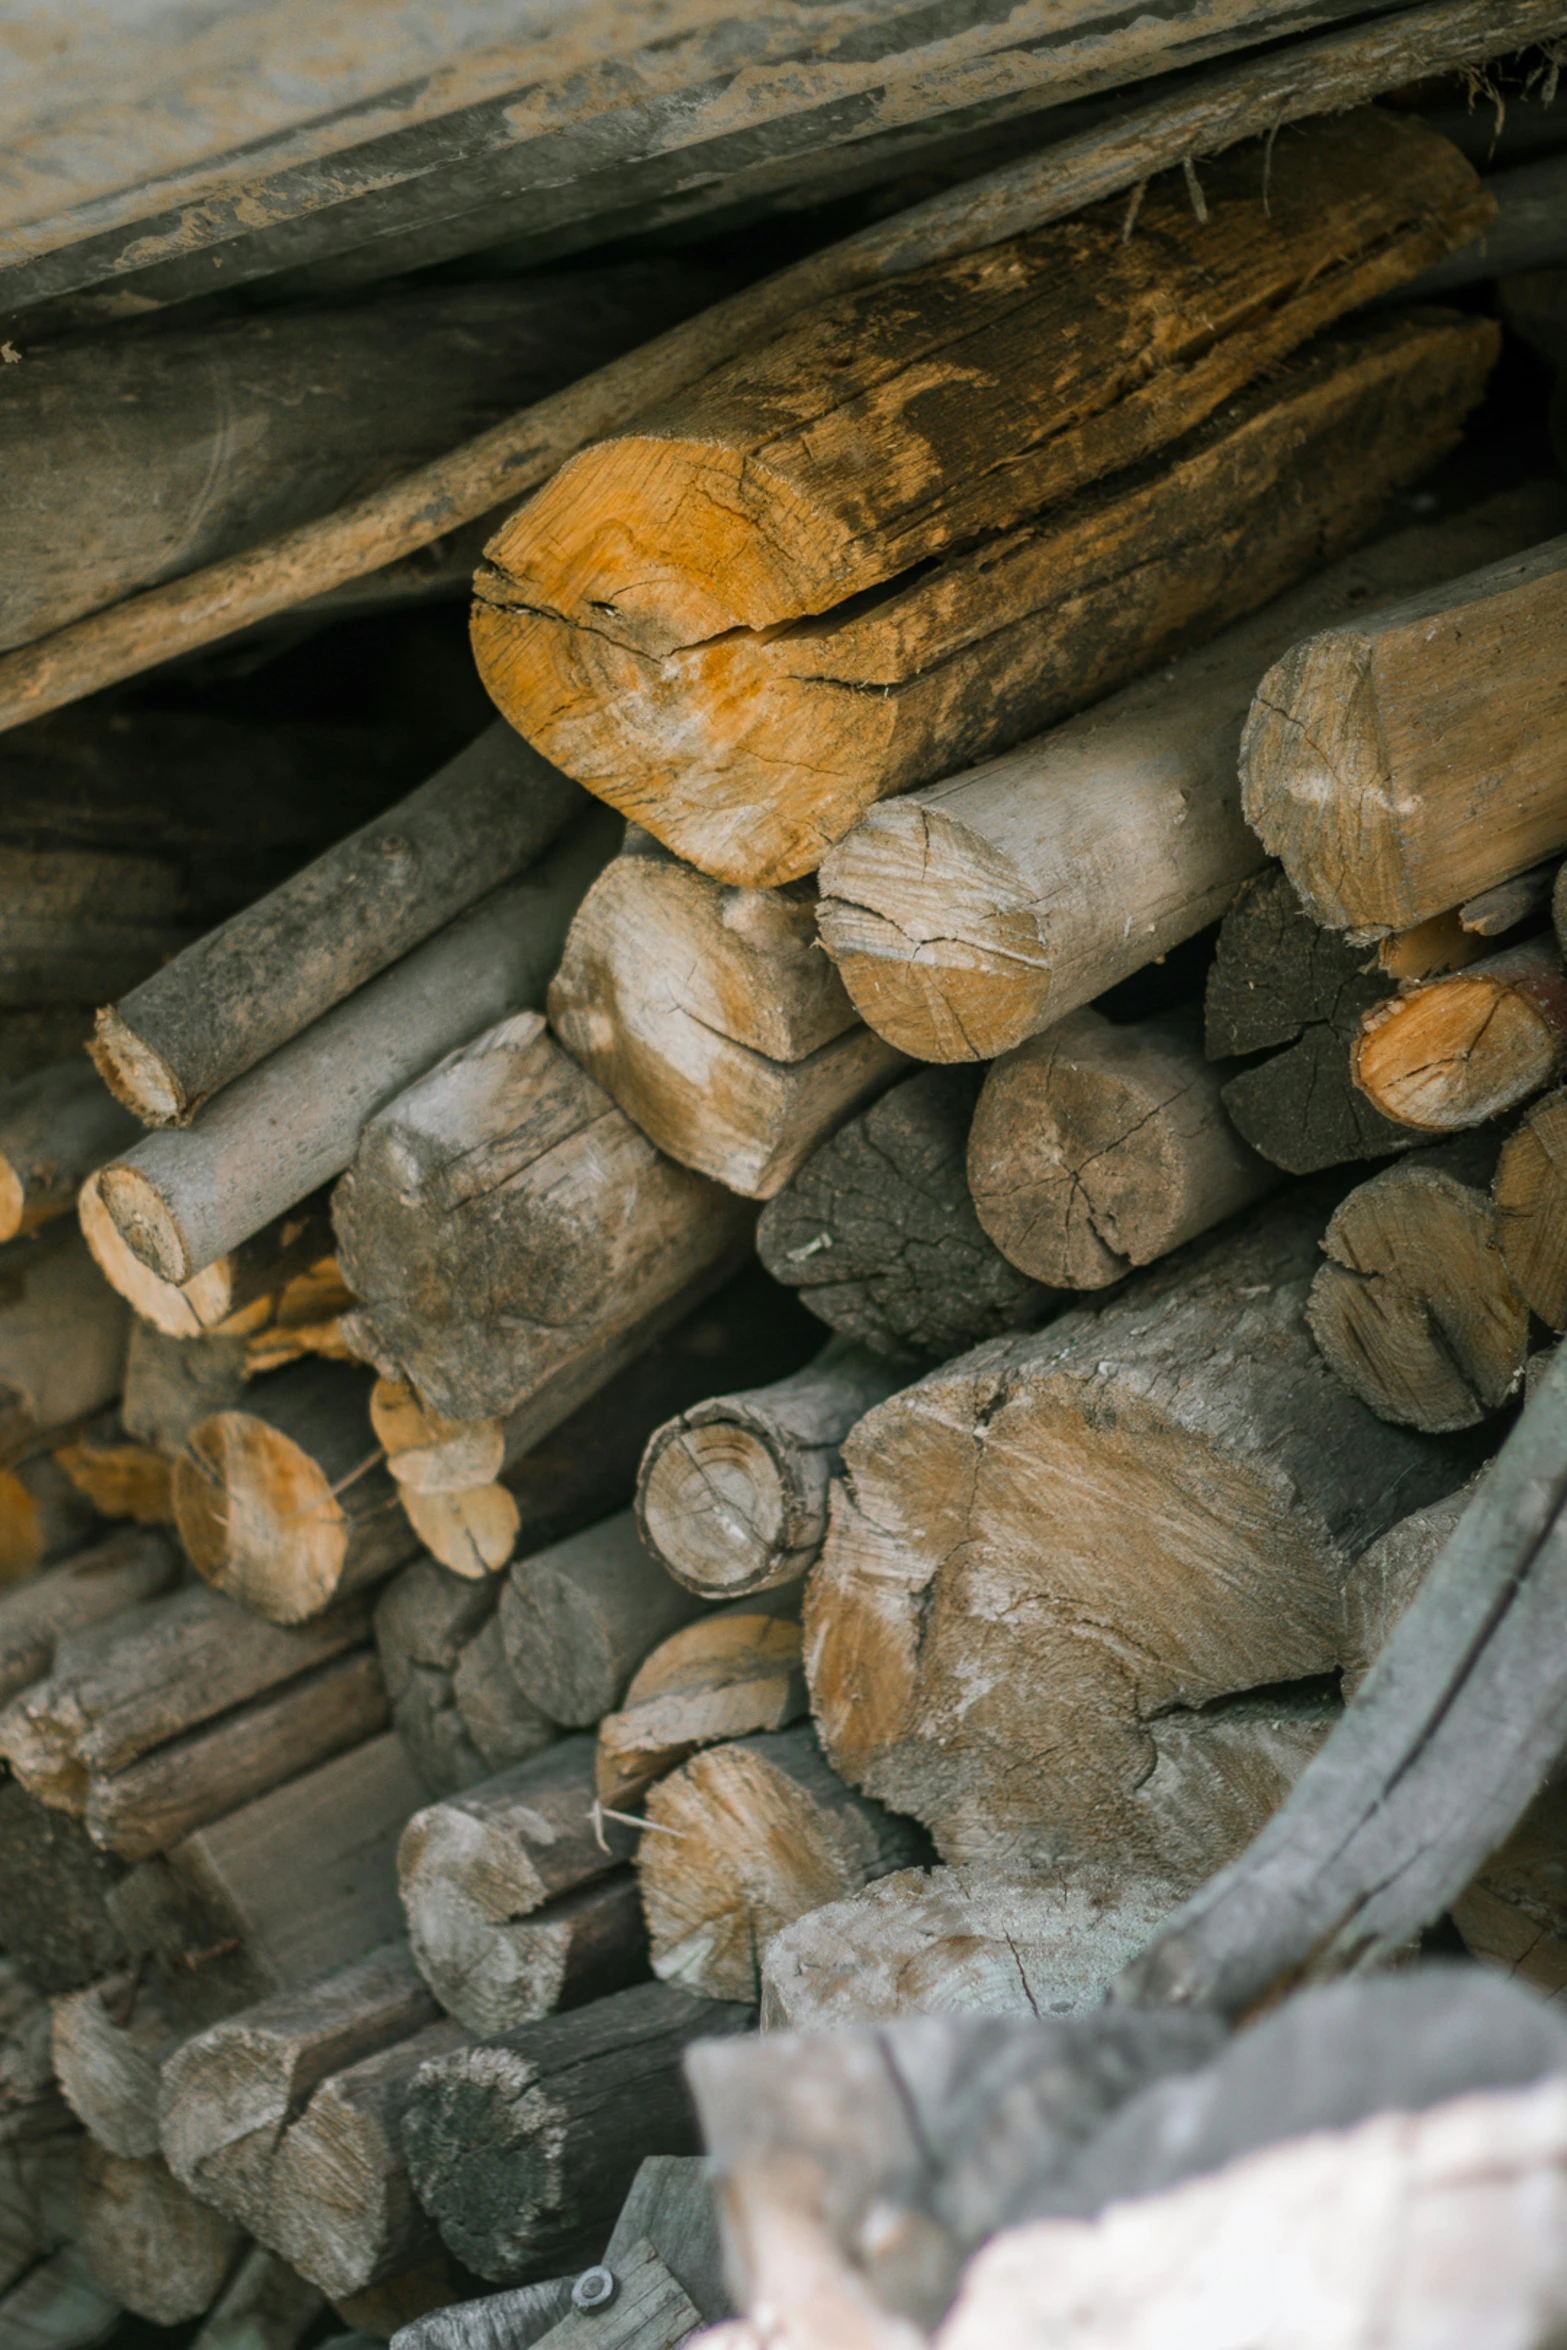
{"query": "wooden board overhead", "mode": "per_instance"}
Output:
(181, 158)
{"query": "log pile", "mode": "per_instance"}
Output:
(774, 1320)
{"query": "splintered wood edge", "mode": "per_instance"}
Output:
(712, 1505)
(137, 1076)
(258, 1518)
(178, 1310)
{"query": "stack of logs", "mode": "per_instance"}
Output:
(560, 1445)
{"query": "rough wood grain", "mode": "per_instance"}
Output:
(172, 1384)
(241, 1293)
(183, 1199)
(1095, 1148)
(1531, 1226)
(495, 1887)
(285, 1506)
(732, 1494)
(264, 2306)
(579, 1617)
(728, 1675)
(423, 1619)
(1452, 1052)
(109, 2043)
(504, 1725)
(746, 1838)
(151, 2246)
(515, 1240)
(55, 1889)
(119, 1573)
(55, 1128)
(967, 916)
(523, 2149)
(1126, 1531)
(63, 1335)
(708, 1015)
(1415, 1309)
(879, 1234)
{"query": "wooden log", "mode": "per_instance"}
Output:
(191, 445)
(971, 915)
(119, 1573)
(237, 1295)
(110, 2043)
(422, 1621)
(82, 923)
(55, 1891)
(1450, 1053)
(732, 1494)
(246, 989)
(29, 2101)
(746, 1838)
(956, 1942)
(708, 1015)
(228, 2095)
(171, 1385)
(729, 1675)
(1095, 1148)
(488, 1298)
(59, 2305)
(1167, 1455)
(503, 1725)
(43, 1517)
(514, 1899)
(1527, 1188)
(181, 1200)
(63, 1335)
(265, 2305)
(579, 1618)
(55, 1128)
(285, 1506)
(117, 1475)
(523, 2150)
(151, 2246)
(1415, 1309)
(1385, 1578)
(599, 603)
(127, 1685)
(1352, 758)
(295, 1884)
(879, 1232)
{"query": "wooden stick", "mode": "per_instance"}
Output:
(183, 1199)
(285, 1506)
(151, 2246)
(732, 1495)
(728, 1675)
(503, 465)
(579, 1617)
(1351, 756)
(228, 2095)
(879, 1233)
(754, 1834)
(55, 1128)
(971, 915)
(1415, 1309)
(172, 1384)
(1530, 1203)
(1022, 1456)
(514, 1901)
(1096, 1148)
(1450, 1053)
(127, 1568)
(710, 1017)
(600, 2086)
(492, 1290)
(670, 644)
(250, 986)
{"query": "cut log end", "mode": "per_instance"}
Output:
(136, 1073)
(258, 1518)
(162, 1303)
(473, 1532)
(145, 1222)
(1456, 1053)
(715, 1506)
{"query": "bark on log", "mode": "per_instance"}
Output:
(1415, 1309)
(238, 1295)
(55, 1892)
(173, 1384)
(119, 1573)
(181, 1200)
(636, 624)
(743, 1840)
(264, 2306)
(1408, 759)
(513, 1237)
(228, 2095)
(952, 1942)
(503, 1725)
(110, 2044)
(244, 990)
(295, 1884)
(729, 1675)
(1450, 1053)
(1531, 1207)
(969, 916)
(286, 1506)
(709, 1016)
(63, 1336)
(879, 1233)
(423, 1619)
(1177, 1478)
(523, 2150)
(1249, 100)
(580, 1617)
(732, 1495)
(515, 1901)
(151, 2246)
(55, 1128)
(1097, 1148)
(497, 2321)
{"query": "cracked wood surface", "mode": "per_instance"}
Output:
(579, 1617)
(1452, 1052)
(728, 1675)
(1096, 1148)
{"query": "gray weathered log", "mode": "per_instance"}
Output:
(264, 2306)
(879, 1234)
(55, 1890)
(1530, 1190)
(503, 1724)
(110, 2043)
(731, 1674)
(172, 1383)
(578, 1618)
(152, 2247)
(246, 988)
(63, 1335)
(55, 1128)
(183, 1199)
(497, 2321)
(125, 1569)
(523, 2149)
(423, 1621)
(59, 2305)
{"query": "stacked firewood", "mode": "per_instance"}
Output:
(776, 1347)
